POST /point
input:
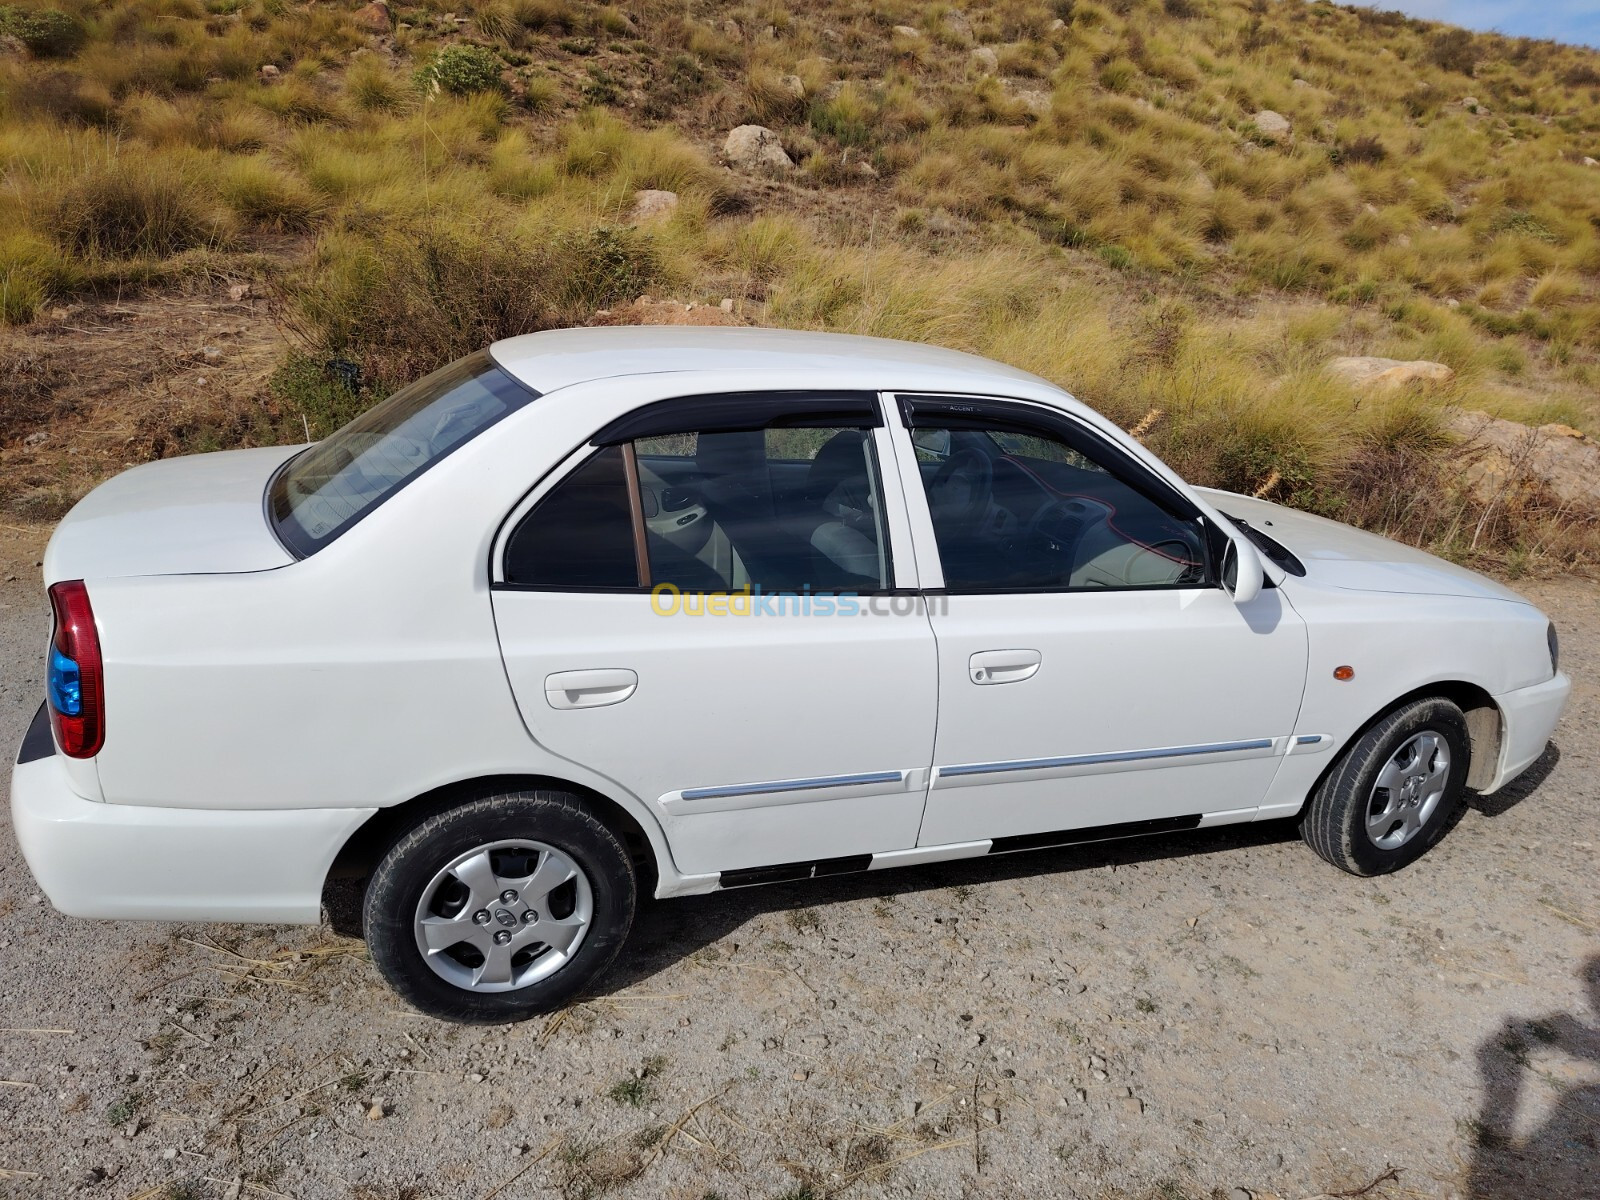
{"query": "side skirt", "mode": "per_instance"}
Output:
(787, 872)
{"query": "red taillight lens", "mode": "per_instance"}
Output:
(76, 686)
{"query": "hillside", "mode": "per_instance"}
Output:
(1181, 210)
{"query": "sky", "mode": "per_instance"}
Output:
(1576, 21)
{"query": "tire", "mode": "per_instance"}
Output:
(479, 885)
(1394, 792)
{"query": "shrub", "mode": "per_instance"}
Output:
(1453, 50)
(461, 70)
(266, 195)
(415, 298)
(1365, 149)
(24, 266)
(132, 206)
(46, 32)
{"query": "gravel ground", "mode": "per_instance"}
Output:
(1217, 1014)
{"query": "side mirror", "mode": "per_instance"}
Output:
(1242, 573)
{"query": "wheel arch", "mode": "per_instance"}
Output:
(1485, 726)
(363, 848)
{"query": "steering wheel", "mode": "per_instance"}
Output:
(961, 490)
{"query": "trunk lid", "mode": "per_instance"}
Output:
(200, 514)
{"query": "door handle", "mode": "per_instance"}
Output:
(1003, 666)
(589, 689)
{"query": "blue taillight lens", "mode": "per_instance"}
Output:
(66, 685)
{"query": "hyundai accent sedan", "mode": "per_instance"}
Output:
(602, 611)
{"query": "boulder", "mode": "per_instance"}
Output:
(907, 31)
(269, 73)
(986, 60)
(651, 204)
(1590, 162)
(12, 47)
(755, 147)
(794, 85)
(1035, 100)
(1271, 125)
(374, 18)
(1369, 372)
(1508, 462)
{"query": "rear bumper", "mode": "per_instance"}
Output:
(134, 862)
(1530, 716)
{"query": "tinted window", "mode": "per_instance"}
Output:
(776, 510)
(326, 489)
(580, 534)
(1027, 511)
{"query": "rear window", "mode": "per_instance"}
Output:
(327, 488)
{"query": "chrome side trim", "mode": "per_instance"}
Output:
(1094, 760)
(791, 785)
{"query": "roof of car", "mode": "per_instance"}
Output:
(562, 357)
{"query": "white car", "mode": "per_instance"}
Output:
(604, 610)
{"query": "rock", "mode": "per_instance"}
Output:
(269, 72)
(12, 47)
(650, 204)
(375, 1113)
(800, 1076)
(732, 30)
(170, 1153)
(1507, 461)
(1056, 26)
(1274, 126)
(1239, 1194)
(986, 60)
(1132, 1105)
(958, 22)
(36, 438)
(727, 307)
(374, 18)
(210, 354)
(866, 170)
(754, 147)
(1470, 103)
(1590, 162)
(1300, 83)
(239, 292)
(794, 85)
(1035, 101)
(907, 31)
(1369, 372)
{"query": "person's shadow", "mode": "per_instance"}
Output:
(1560, 1159)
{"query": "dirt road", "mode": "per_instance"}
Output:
(1178, 1017)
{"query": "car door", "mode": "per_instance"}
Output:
(1094, 675)
(711, 605)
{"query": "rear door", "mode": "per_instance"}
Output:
(1093, 673)
(711, 605)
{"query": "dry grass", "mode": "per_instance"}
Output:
(1089, 197)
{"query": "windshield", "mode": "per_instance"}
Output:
(326, 489)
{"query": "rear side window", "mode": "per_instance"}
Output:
(323, 491)
(581, 534)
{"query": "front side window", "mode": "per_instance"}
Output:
(779, 509)
(323, 491)
(1026, 510)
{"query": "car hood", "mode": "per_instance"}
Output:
(201, 514)
(1344, 557)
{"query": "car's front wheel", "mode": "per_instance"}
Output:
(1394, 792)
(501, 908)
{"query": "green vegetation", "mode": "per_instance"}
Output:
(1079, 187)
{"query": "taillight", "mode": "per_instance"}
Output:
(74, 683)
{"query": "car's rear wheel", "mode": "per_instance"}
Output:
(501, 908)
(1394, 792)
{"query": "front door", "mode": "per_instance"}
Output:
(1093, 673)
(700, 608)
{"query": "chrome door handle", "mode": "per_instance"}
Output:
(589, 689)
(1003, 666)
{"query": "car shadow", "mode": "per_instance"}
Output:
(1520, 788)
(667, 931)
(1559, 1159)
